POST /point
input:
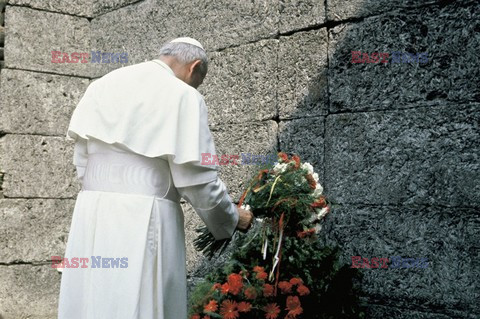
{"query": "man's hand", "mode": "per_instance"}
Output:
(245, 219)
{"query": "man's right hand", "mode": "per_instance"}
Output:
(245, 219)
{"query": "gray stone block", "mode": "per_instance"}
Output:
(37, 103)
(32, 36)
(447, 237)
(28, 291)
(192, 222)
(241, 85)
(82, 8)
(251, 138)
(302, 78)
(140, 29)
(305, 137)
(34, 230)
(451, 72)
(426, 156)
(100, 7)
(341, 9)
(381, 311)
(299, 14)
(38, 166)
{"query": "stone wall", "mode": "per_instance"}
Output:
(396, 145)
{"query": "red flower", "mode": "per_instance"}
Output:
(212, 306)
(216, 286)
(225, 288)
(206, 317)
(303, 290)
(293, 306)
(250, 293)
(258, 269)
(306, 233)
(267, 290)
(229, 309)
(195, 316)
(283, 157)
(262, 275)
(285, 286)
(297, 161)
(311, 181)
(244, 306)
(271, 311)
(296, 281)
(319, 203)
(235, 283)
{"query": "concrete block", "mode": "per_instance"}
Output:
(29, 291)
(101, 7)
(450, 74)
(305, 137)
(340, 10)
(299, 14)
(192, 222)
(241, 85)
(38, 166)
(33, 230)
(32, 36)
(81, 8)
(38, 103)
(251, 138)
(302, 78)
(141, 28)
(447, 237)
(425, 156)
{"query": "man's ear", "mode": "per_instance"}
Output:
(194, 66)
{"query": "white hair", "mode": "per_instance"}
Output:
(186, 53)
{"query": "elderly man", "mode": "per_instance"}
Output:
(139, 134)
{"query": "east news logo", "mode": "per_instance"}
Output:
(97, 57)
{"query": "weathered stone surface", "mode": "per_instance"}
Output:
(305, 137)
(28, 291)
(33, 35)
(100, 7)
(302, 78)
(82, 8)
(451, 72)
(427, 155)
(38, 166)
(140, 29)
(38, 103)
(251, 138)
(241, 84)
(390, 311)
(192, 221)
(447, 237)
(33, 230)
(341, 9)
(298, 14)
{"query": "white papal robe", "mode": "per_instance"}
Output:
(139, 133)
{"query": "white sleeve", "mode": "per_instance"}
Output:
(204, 190)
(214, 206)
(80, 157)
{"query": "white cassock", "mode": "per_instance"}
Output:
(139, 134)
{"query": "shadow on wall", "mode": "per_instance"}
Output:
(387, 139)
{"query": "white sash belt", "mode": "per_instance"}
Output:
(127, 173)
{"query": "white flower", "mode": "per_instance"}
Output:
(318, 190)
(315, 177)
(318, 228)
(280, 168)
(308, 167)
(322, 212)
(246, 207)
